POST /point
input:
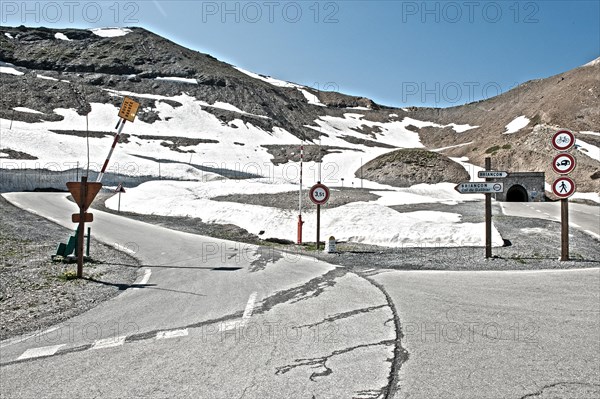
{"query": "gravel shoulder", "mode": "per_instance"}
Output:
(35, 292)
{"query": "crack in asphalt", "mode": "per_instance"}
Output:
(322, 361)
(315, 287)
(401, 355)
(556, 384)
(263, 259)
(311, 289)
(343, 315)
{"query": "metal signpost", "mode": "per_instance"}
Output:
(127, 112)
(120, 189)
(563, 187)
(487, 188)
(319, 194)
(83, 193)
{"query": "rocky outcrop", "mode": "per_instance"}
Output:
(407, 167)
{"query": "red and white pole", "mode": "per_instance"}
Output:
(300, 222)
(112, 148)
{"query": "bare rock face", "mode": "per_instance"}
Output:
(407, 167)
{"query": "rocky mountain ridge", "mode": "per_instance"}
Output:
(80, 67)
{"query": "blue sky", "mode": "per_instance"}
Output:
(399, 53)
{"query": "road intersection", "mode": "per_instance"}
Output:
(217, 319)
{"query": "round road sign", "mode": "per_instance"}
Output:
(563, 140)
(563, 187)
(563, 164)
(319, 194)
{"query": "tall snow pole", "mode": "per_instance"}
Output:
(300, 222)
(112, 148)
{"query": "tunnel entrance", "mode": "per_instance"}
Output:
(517, 193)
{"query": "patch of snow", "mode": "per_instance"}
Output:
(3, 155)
(452, 146)
(358, 222)
(405, 109)
(393, 115)
(10, 71)
(61, 36)
(229, 107)
(110, 32)
(591, 133)
(177, 79)
(469, 167)
(47, 78)
(29, 110)
(359, 108)
(590, 150)
(587, 196)
(311, 98)
(8, 35)
(517, 124)
(593, 63)
(461, 128)
(270, 80)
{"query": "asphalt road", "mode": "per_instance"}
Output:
(489, 335)
(582, 217)
(212, 319)
(215, 319)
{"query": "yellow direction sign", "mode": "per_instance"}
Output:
(92, 190)
(129, 109)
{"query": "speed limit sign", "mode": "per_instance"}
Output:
(319, 194)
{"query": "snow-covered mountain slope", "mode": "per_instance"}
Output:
(209, 124)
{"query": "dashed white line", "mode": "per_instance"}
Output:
(40, 352)
(249, 306)
(109, 342)
(9, 342)
(172, 334)
(245, 317)
(145, 278)
(124, 248)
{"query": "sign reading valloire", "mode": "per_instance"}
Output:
(478, 188)
(129, 109)
(492, 174)
(319, 194)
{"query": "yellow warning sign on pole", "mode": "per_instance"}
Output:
(129, 109)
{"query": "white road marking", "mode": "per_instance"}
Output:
(124, 248)
(172, 334)
(109, 342)
(249, 306)
(145, 278)
(245, 317)
(12, 341)
(40, 352)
